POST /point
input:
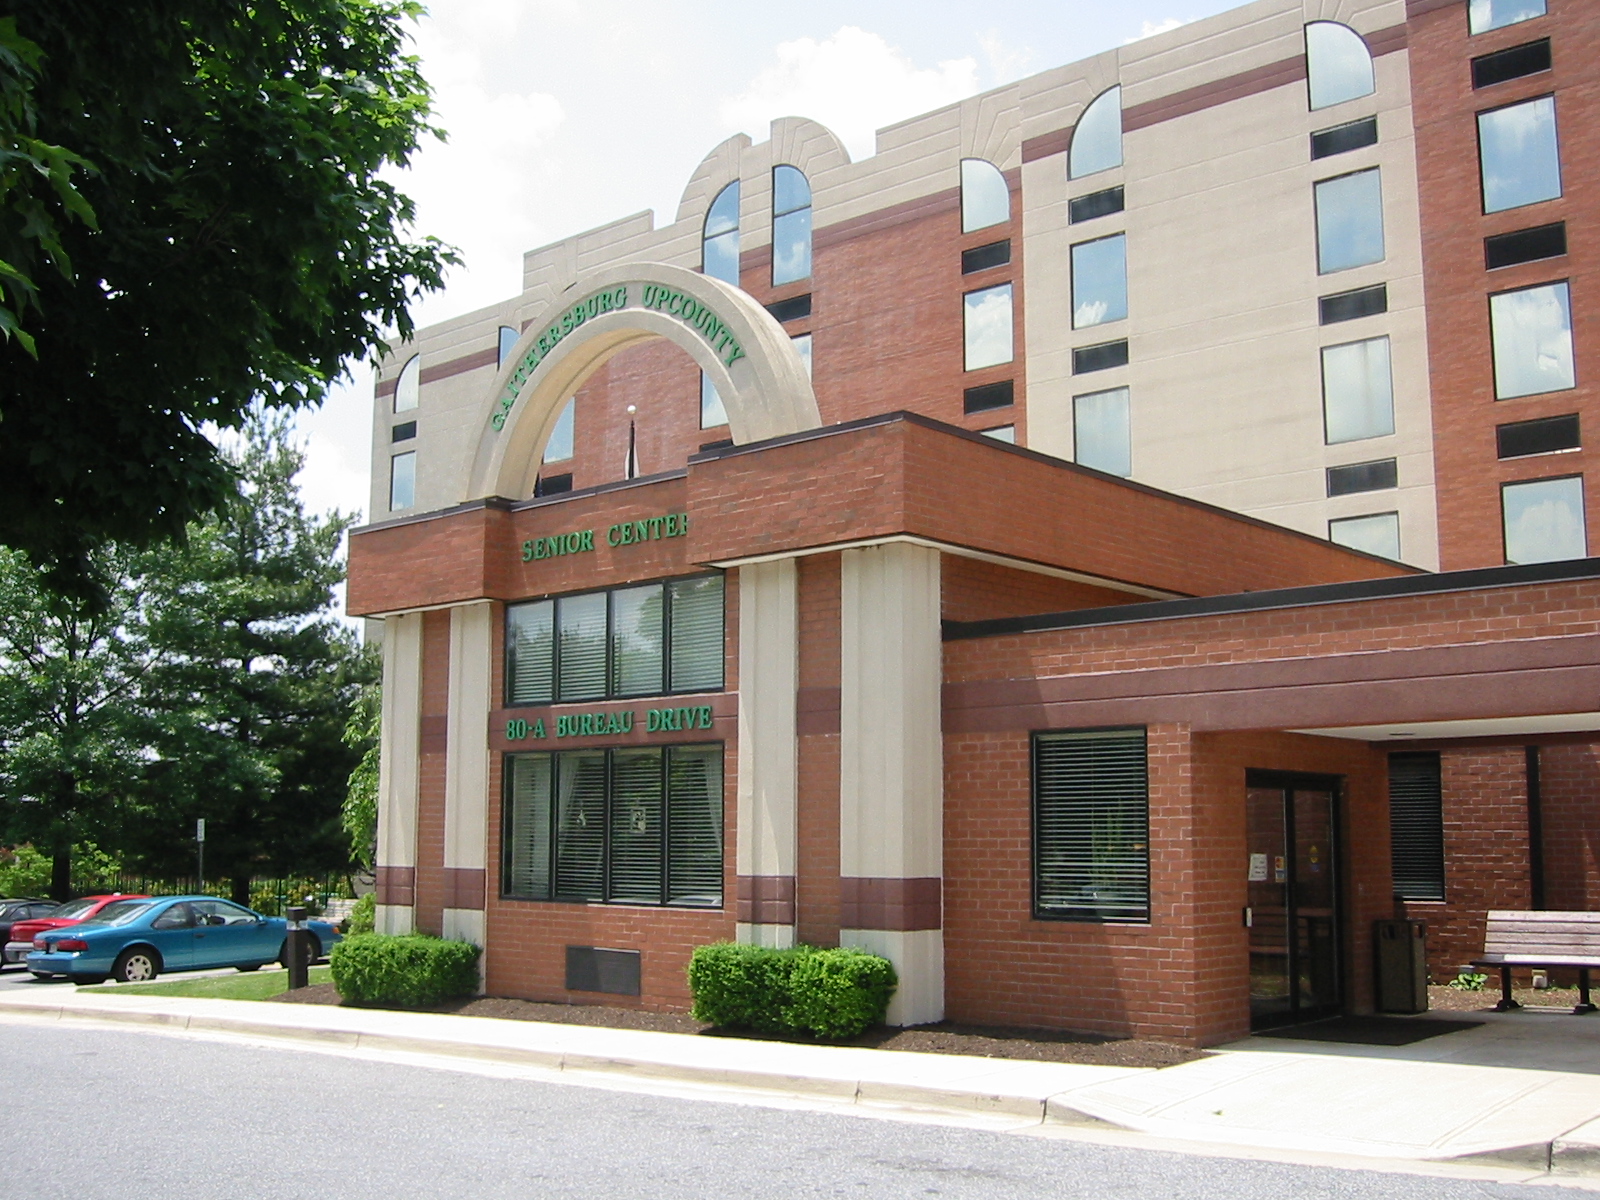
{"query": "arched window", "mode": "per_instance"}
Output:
(508, 342)
(1097, 141)
(719, 244)
(791, 225)
(408, 388)
(1338, 64)
(985, 198)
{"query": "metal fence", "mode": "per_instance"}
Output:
(269, 896)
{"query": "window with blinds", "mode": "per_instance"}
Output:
(651, 640)
(1091, 826)
(1416, 826)
(636, 825)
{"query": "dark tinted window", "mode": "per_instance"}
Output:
(1099, 358)
(404, 432)
(176, 917)
(1416, 826)
(1342, 138)
(792, 309)
(1091, 826)
(552, 485)
(1544, 436)
(1514, 63)
(1095, 204)
(1525, 245)
(990, 395)
(1362, 477)
(981, 258)
(1351, 306)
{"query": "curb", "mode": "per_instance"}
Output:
(1574, 1154)
(842, 1088)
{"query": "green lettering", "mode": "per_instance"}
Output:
(627, 722)
(652, 722)
(538, 728)
(611, 535)
(612, 724)
(736, 355)
(586, 723)
(563, 727)
(586, 540)
(655, 527)
(641, 531)
(527, 551)
(704, 712)
(619, 298)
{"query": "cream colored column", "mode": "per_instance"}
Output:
(398, 762)
(891, 774)
(466, 773)
(768, 674)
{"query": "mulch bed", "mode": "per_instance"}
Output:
(1038, 1045)
(1449, 998)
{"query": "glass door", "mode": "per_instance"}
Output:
(1293, 913)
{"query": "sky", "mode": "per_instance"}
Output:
(567, 114)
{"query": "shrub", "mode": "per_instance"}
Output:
(826, 993)
(839, 993)
(363, 917)
(413, 970)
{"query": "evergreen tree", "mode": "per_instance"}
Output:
(73, 676)
(252, 682)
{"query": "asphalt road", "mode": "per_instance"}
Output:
(110, 1113)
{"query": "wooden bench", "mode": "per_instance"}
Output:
(1542, 939)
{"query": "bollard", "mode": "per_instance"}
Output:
(296, 947)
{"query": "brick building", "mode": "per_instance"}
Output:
(1102, 551)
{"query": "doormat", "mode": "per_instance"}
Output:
(1370, 1031)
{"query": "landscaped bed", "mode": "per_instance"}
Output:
(1040, 1045)
(1449, 998)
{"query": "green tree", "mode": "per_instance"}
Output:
(360, 814)
(253, 681)
(72, 680)
(193, 217)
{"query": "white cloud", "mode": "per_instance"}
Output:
(471, 191)
(1151, 28)
(853, 82)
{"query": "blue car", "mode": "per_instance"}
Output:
(135, 940)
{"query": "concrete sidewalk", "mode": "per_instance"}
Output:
(1476, 1100)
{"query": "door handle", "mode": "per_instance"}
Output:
(1249, 917)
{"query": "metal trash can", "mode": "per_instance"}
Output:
(1402, 976)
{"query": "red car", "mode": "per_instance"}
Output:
(20, 944)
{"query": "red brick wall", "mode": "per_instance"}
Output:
(1486, 852)
(527, 940)
(980, 591)
(817, 882)
(887, 333)
(430, 778)
(1184, 976)
(1569, 788)
(663, 383)
(1500, 614)
(1465, 412)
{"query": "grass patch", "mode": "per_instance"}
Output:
(253, 985)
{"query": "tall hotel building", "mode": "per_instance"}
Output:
(1105, 551)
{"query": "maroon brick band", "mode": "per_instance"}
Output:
(397, 885)
(766, 899)
(899, 904)
(464, 887)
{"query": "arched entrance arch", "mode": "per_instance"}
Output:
(756, 370)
